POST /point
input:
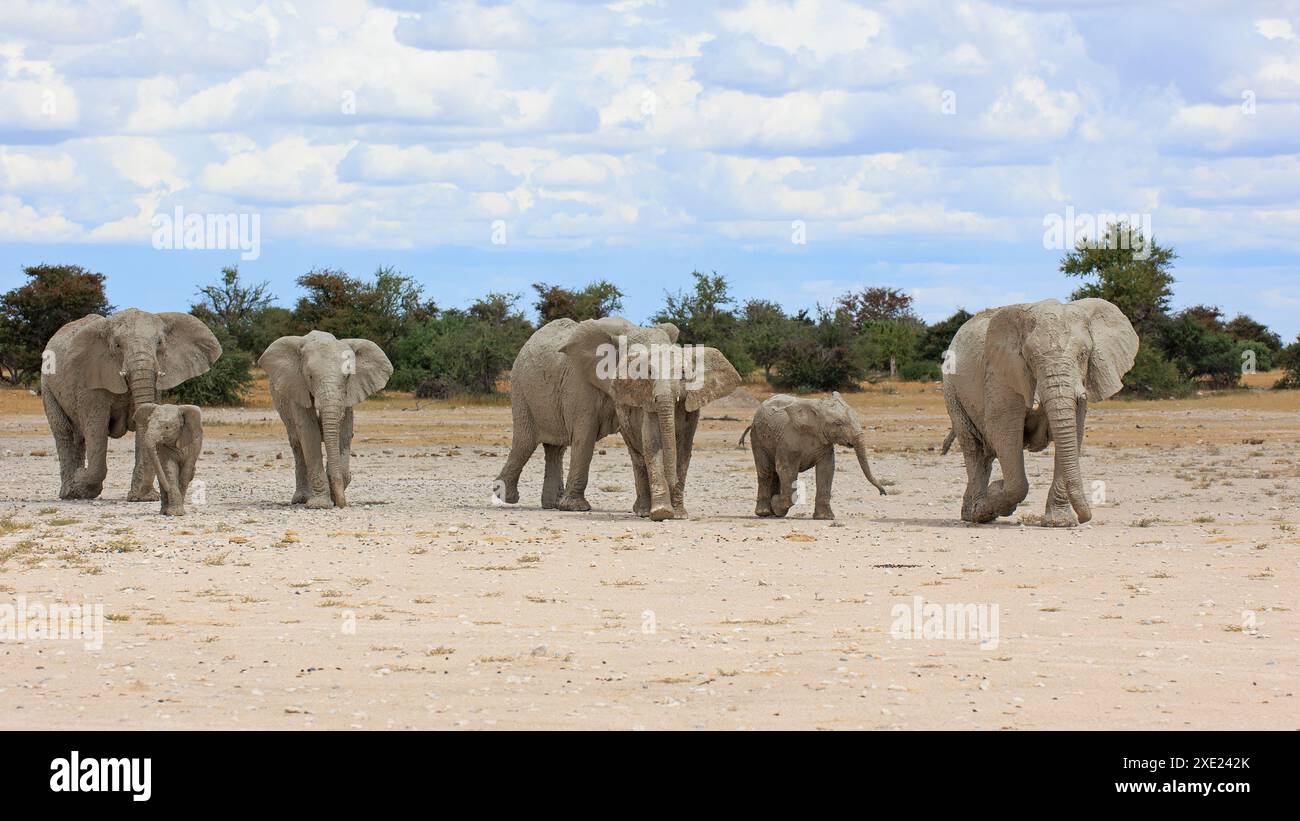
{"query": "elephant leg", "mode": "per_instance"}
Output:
(686, 426)
(766, 472)
(345, 447)
(142, 475)
(787, 473)
(825, 476)
(301, 482)
(1059, 512)
(574, 497)
(169, 485)
(979, 465)
(1008, 492)
(553, 480)
(661, 503)
(309, 441)
(522, 445)
(641, 478)
(88, 480)
(65, 443)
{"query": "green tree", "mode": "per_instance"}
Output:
(822, 355)
(597, 300)
(936, 338)
(1245, 329)
(1127, 269)
(875, 304)
(462, 350)
(703, 317)
(764, 332)
(381, 311)
(234, 306)
(30, 314)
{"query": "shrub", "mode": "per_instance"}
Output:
(1155, 377)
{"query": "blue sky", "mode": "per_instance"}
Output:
(914, 144)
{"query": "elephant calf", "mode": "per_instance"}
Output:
(172, 438)
(792, 435)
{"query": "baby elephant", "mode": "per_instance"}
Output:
(171, 437)
(790, 436)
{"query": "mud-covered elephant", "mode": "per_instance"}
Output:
(172, 437)
(575, 382)
(315, 380)
(96, 371)
(792, 435)
(1021, 376)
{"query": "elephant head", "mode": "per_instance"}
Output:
(831, 421)
(645, 368)
(328, 375)
(178, 426)
(143, 353)
(1059, 357)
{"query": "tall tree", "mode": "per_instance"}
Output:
(30, 314)
(599, 299)
(1127, 269)
(235, 306)
(704, 317)
(381, 311)
(875, 304)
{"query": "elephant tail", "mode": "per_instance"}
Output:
(741, 444)
(947, 442)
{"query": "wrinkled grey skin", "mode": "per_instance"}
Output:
(97, 371)
(315, 380)
(562, 395)
(172, 437)
(792, 435)
(1022, 376)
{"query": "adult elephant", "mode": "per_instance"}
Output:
(1021, 376)
(97, 370)
(575, 382)
(315, 380)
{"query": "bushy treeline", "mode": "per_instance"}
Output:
(864, 335)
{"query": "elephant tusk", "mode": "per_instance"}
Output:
(121, 373)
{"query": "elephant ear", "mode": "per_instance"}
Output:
(282, 361)
(191, 435)
(670, 329)
(1004, 350)
(714, 378)
(1114, 348)
(592, 350)
(803, 417)
(189, 349)
(141, 416)
(371, 372)
(92, 358)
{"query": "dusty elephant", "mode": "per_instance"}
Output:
(575, 382)
(1022, 376)
(315, 380)
(792, 435)
(96, 371)
(172, 436)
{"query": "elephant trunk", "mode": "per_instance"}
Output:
(1061, 406)
(860, 448)
(666, 411)
(142, 380)
(331, 415)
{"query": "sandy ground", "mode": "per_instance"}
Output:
(423, 606)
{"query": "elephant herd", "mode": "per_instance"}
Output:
(1015, 378)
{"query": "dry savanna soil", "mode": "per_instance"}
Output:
(423, 605)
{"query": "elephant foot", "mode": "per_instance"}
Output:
(319, 503)
(680, 512)
(299, 498)
(763, 510)
(145, 496)
(173, 511)
(82, 492)
(574, 503)
(661, 513)
(510, 494)
(1060, 517)
(550, 503)
(824, 513)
